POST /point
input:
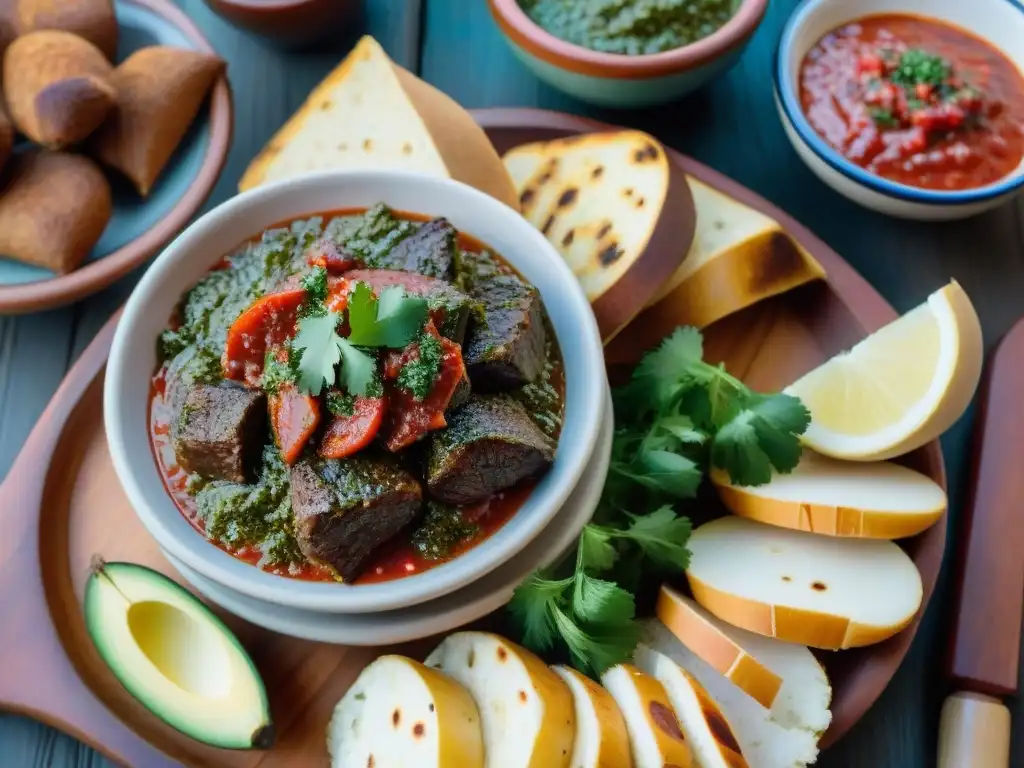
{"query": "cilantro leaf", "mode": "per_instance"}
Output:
(358, 369)
(599, 601)
(763, 436)
(600, 647)
(317, 345)
(662, 535)
(661, 370)
(595, 549)
(669, 473)
(533, 604)
(682, 429)
(392, 320)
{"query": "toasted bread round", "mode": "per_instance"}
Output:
(370, 113)
(53, 209)
(821, 591)
(655, 737)
(707, 730)
(618, 210)
(526, 711)
(160, 90)
(601, 737)
(876, 500)
(58, 87)
(713, 641)
(401, 714)
(784, 736)
(93, 20)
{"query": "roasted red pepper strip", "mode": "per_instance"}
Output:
(410, 419)
(294, 418)
(325, 253)
(347, 435)
(269, 321)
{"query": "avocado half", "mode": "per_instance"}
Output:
(176, 657)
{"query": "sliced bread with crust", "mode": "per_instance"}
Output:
(616, 208)
(871, 500)
(526, 711)
(601, 737)
(655, 737)
(785, 736)
(821, 591)
(706, 728)
(370, 113)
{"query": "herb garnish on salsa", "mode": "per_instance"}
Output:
(630, 27)
(916, 101)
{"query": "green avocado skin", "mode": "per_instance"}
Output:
(109, 649)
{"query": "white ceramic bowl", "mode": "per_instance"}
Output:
(999, 22)
(448, 612)
(187, 259)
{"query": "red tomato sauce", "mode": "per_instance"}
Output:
(959, 130)
(395, 559)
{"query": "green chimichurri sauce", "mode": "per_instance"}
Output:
(630, 27)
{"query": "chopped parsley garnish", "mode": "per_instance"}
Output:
(918, 67)
(314, 283)
(418, 376)
(393, 320)
(676, 418)
(883, 117)
(341, 403)
(275, 374)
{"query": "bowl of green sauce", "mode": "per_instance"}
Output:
(628, 53)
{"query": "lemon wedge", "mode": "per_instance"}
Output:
(899, 388)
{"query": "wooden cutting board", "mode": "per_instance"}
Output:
(61, 504)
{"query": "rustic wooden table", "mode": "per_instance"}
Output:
(731, 126)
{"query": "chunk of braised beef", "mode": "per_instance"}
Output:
(490, 444)
(346, 508)
(431, 250)
(219, 431)
(504, 348)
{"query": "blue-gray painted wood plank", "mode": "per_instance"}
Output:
(36, 350)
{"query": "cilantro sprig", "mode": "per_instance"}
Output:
(678, 416)
(322, 356)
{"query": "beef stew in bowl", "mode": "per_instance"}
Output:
(356, 397)
(153, 334)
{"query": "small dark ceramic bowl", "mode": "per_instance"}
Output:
(617, 80)
(288, 23)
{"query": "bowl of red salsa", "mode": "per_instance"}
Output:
(353, 392)
(914, 108)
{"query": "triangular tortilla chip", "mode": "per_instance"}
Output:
(160, 90)
(371, 113)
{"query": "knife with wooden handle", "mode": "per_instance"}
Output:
(974, 729)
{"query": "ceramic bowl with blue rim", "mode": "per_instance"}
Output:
(626, 80)
(139, 226)
(997, 24)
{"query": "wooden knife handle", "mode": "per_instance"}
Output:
(974, 730)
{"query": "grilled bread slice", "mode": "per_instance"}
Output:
(525, 709)
(739, 256)
(871, 500)
(655, 738)
(401, 714)
(601, 737)
(711, 737)
(784, 736)
(370, 113)
(821, 591)
(615, 207)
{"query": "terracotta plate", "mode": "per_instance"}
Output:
(61, 504)
(139, 227)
